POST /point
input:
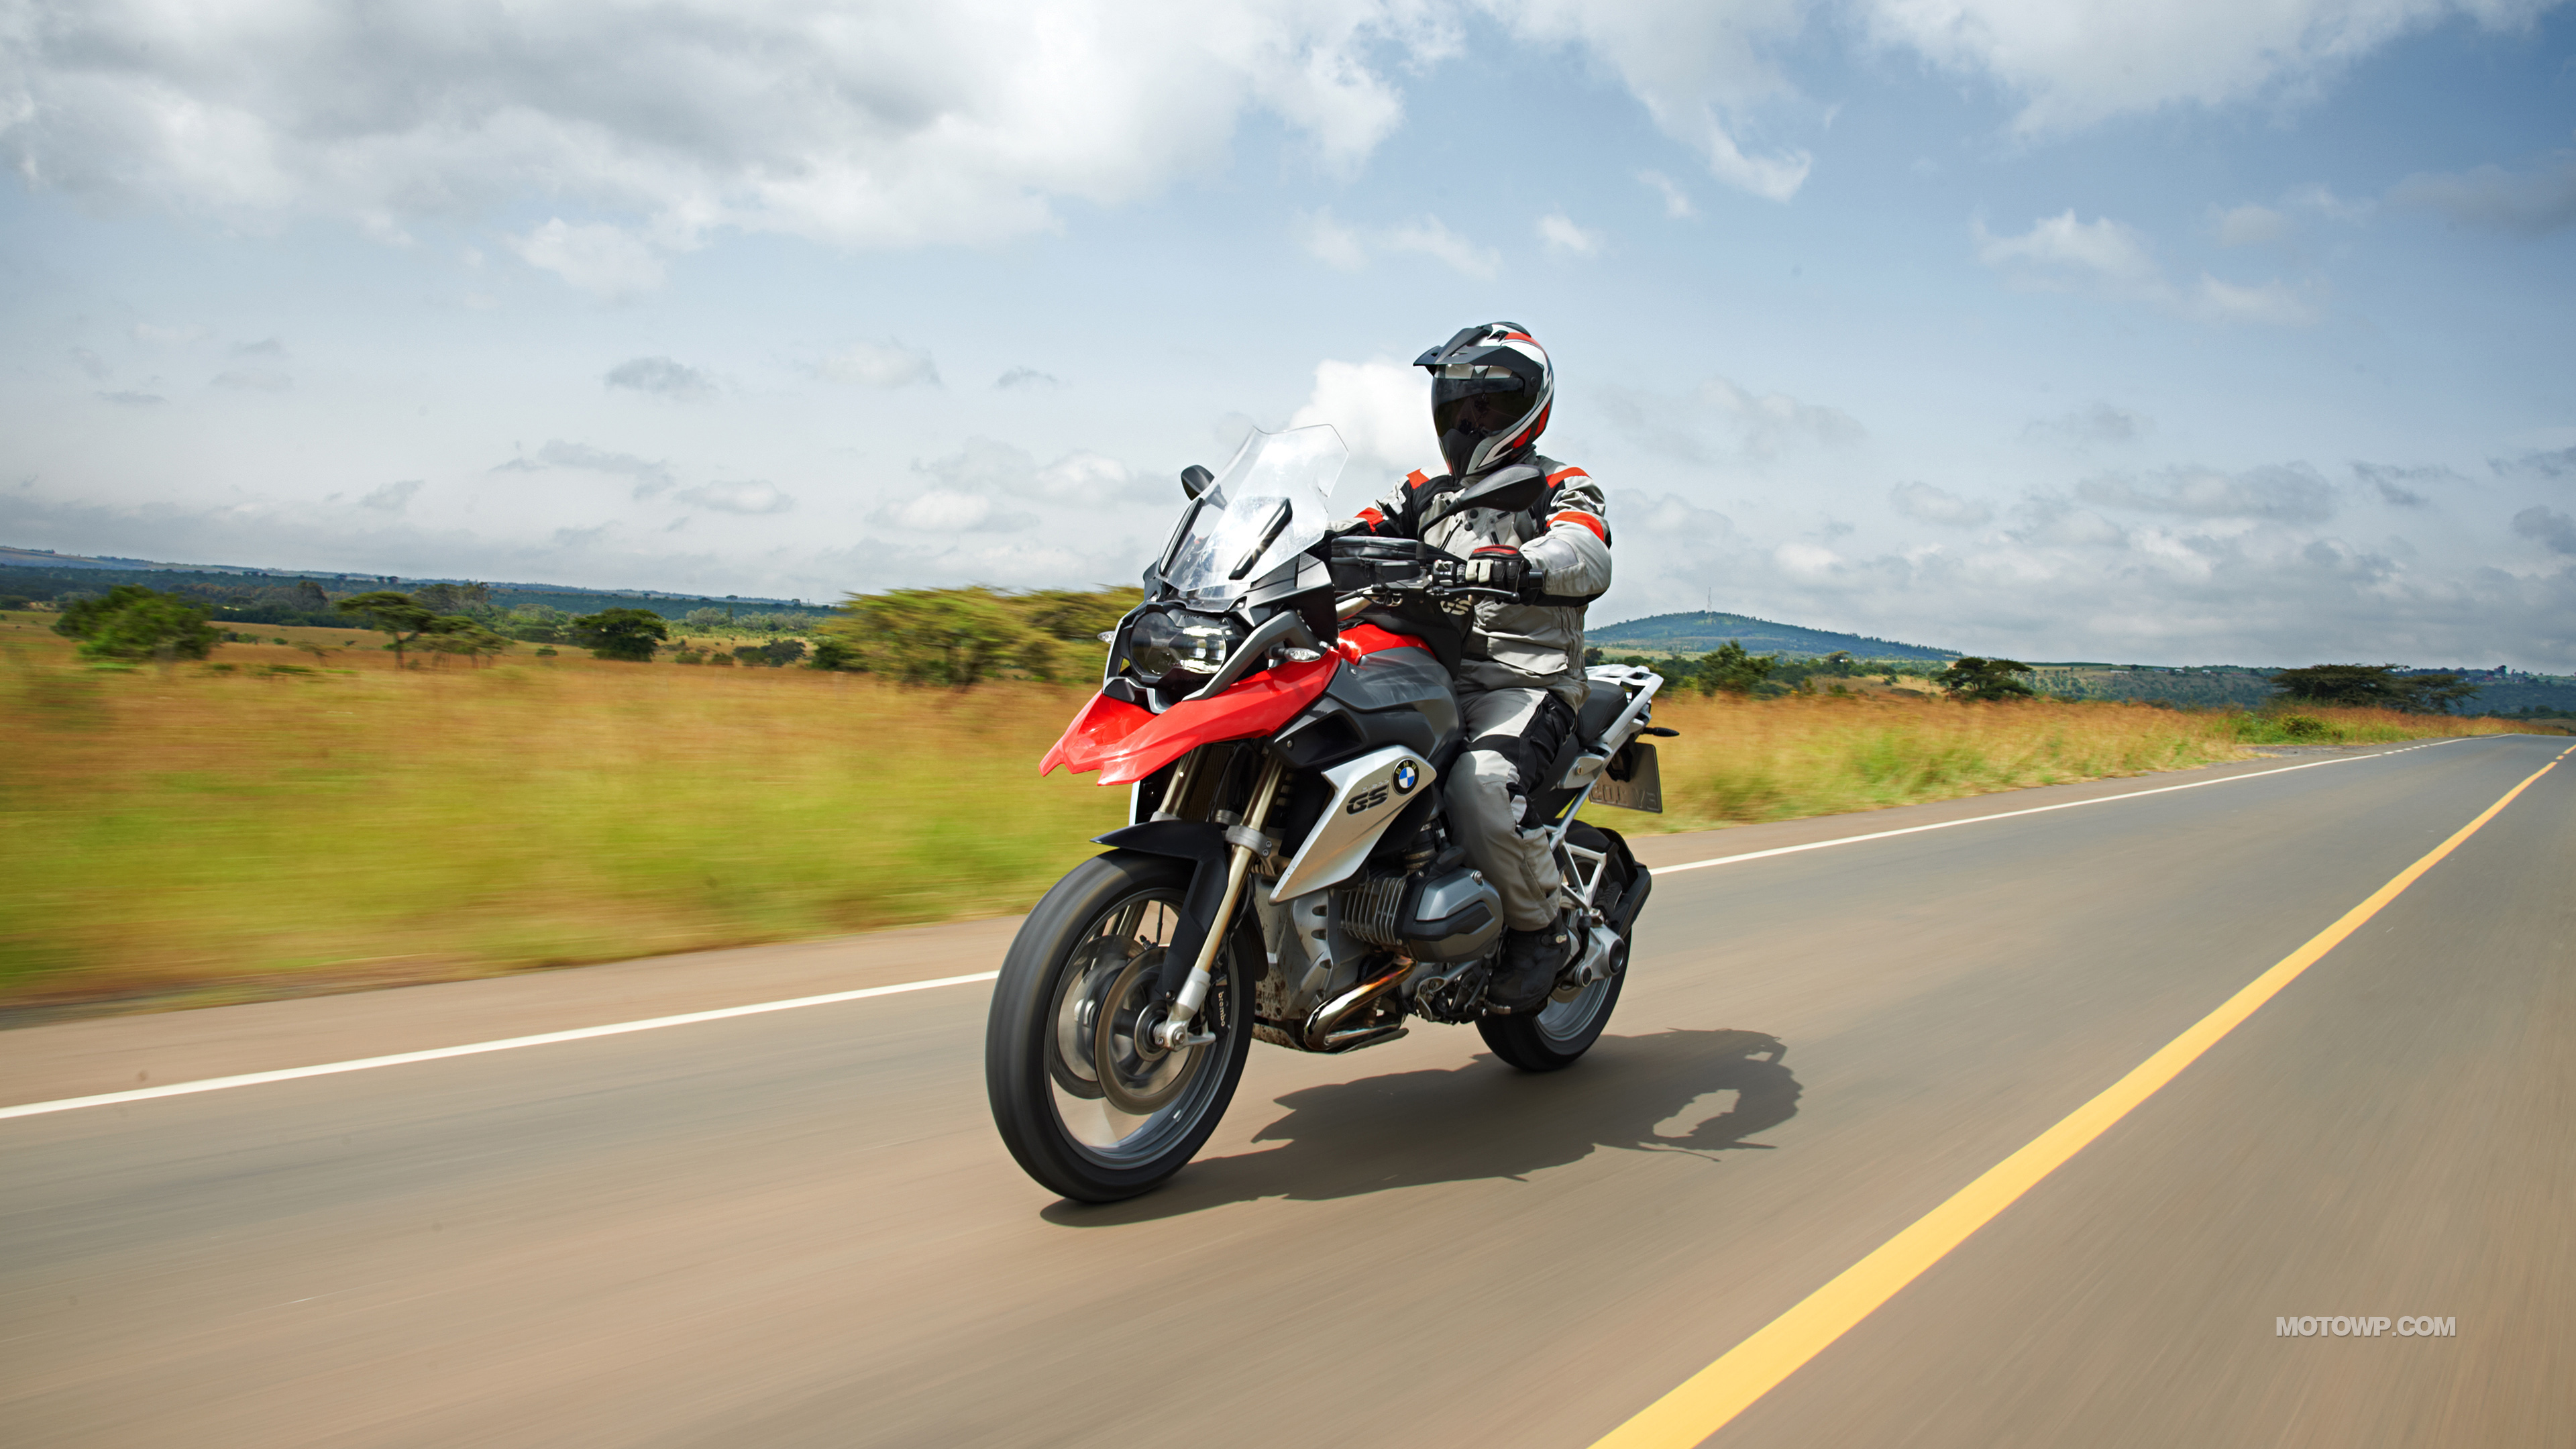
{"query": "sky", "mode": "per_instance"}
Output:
(2177, 332)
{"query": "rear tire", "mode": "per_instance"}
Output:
(1558, 1035)
(1086, 958)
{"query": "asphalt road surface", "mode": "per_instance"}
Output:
(798, 1228)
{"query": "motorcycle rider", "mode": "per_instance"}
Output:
(1520, 680)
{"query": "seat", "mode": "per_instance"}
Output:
(1601, 706)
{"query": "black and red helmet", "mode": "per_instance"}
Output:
(1490, 390)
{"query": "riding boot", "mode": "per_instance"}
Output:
(1525, 975)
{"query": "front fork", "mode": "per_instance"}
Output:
(1244, 844)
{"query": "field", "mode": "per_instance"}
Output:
(294, 823)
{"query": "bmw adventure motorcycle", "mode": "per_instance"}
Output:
(1280, 705)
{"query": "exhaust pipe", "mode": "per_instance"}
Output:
(1321, 1034)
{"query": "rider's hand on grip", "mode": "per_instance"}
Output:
(1496, 568)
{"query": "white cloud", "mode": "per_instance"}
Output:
(1328, 241)
(2552, 465)
(1382, 410)
(1677, 202)
(253, 379)
(1026, 377)
(2532, 203)
(1338, 244)
(984, 485)
(2397, 486)
(393, 497)
(946, 510)
(661, 377)
(2548, 527)
(2092, 426)
(2251, 225)
(2286, 492)
(1704, 72)
(873, 125)
(2270, 302)
(1938, 505)
(2075, 64)
(1432, 238)
(888, 364)
(1768, 422)
(2060, 253)
(750, 497)
(606, 261)
(1562, 238)
(650, 477)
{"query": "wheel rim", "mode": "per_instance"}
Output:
(1119, 1099)
(1569, 1013)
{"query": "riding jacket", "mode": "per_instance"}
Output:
(1513, 645)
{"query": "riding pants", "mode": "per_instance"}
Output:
(1513, 735)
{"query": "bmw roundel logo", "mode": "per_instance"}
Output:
(1406, 777)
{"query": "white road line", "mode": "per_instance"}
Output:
(253, 1079)
(2034, 810)
(327, 1069)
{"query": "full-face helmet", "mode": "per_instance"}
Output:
(1490, 390)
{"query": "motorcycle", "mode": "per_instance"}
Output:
(1281, 707)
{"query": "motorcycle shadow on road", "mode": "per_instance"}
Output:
(1655, 1093)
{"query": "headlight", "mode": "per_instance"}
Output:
(1164, 643)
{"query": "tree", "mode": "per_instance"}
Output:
(1733, 670)
(777, 653)
(2350, 685)
(536, 624)
(467, 599)
(2436, 693)
(456, 634)
(2381, 686)
(1985, 679)
(398, 615)
(627, 634)
(133, 622)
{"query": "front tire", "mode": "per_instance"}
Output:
(1085, 1102)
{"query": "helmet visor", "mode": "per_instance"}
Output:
(1479, 408)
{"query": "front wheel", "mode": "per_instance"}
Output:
(1084, 1098)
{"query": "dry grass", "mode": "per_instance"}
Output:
(1739, 761)
(235, 834)
(204, 834)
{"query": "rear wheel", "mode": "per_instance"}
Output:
(1559, 1033)
(1086, 1101)
(1563, 1030)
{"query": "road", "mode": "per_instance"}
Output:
(797, 1228)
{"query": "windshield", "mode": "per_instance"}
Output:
(1269, 505)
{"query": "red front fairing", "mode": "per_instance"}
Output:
(1127, 742)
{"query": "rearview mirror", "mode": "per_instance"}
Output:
(1195, 479)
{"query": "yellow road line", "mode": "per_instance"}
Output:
(1707, 1400)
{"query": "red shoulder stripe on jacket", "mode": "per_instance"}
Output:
(1561, 474)
(1599, 530)
(1370, 516)
(1416, 478)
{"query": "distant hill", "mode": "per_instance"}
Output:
(1700, 633)
(41, 574)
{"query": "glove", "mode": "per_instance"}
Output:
(1505, 569)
